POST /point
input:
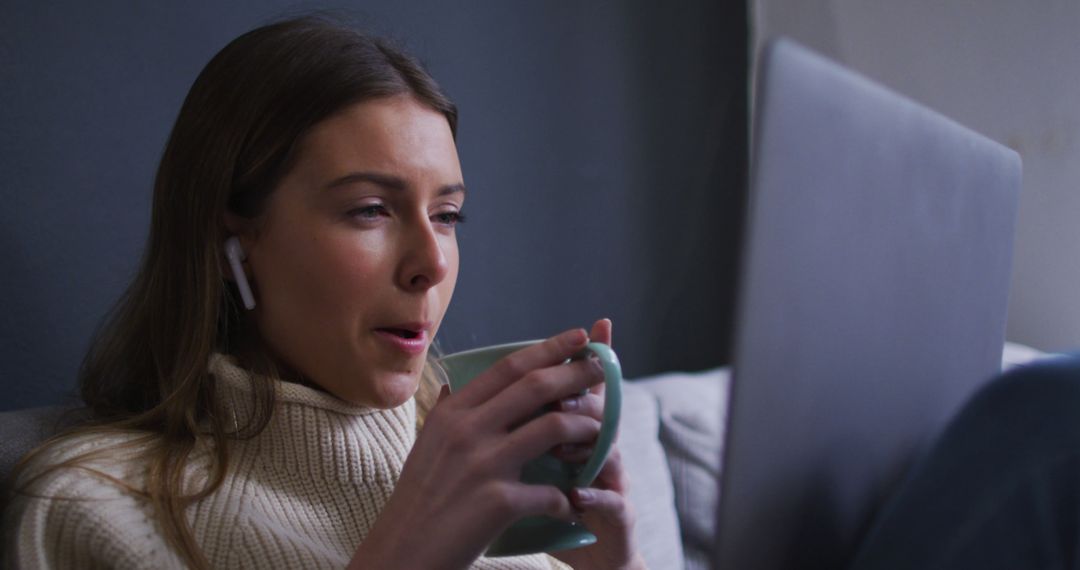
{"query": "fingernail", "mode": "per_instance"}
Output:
(596, 365)
(578, 337)
(584, 496)
(570, 404)
(566, 448)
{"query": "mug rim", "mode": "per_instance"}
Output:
(518, 345)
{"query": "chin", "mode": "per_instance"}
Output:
(393, 389)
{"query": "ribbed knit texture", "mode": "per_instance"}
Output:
(301, 494)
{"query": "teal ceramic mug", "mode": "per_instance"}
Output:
(546, 534)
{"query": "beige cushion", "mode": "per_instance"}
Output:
(693, 408)
(25, 429)
(651, 492)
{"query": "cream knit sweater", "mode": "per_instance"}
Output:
(301, 494)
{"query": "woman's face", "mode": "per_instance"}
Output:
(355, 258)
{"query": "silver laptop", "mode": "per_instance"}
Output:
(872, 300)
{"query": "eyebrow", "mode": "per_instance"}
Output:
(387, 181)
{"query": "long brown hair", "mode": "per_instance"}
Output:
(233, 141)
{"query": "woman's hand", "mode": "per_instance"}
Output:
(603, 507)
(460, 486)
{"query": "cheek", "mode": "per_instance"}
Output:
(349, 273)
(325, 276)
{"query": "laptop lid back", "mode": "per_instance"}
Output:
(872, 303)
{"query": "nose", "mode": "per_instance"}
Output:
(424, 263)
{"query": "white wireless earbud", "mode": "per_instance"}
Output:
(235, 254)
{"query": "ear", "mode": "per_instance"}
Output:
(246, 229)
(238, 226)
(240, 234)
(234, 253)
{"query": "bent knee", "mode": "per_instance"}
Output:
(1041, 400)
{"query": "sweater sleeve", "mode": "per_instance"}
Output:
(74, 519)
(557, 564)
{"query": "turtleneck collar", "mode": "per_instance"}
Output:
(232, 376)
(315, 433)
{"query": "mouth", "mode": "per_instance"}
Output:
(410, 338)
(407, 334)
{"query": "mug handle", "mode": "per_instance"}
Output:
(612, 410)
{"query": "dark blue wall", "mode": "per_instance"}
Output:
(603, 144)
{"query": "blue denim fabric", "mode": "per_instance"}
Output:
(1000, 489)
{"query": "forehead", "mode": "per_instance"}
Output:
(395, 133)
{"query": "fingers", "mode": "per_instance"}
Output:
(610, 507)
(509, 370)
(604, 507)
(590, 404)
(524, 500)
(539, 435)
(601, 332)
(612, 476)
(521, 401)
(611, 517)
(573, 452)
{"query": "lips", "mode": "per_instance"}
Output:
(410, 338)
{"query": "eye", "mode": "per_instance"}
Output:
(369, 212)
(450, 218)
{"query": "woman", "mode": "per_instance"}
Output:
(285, 435)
